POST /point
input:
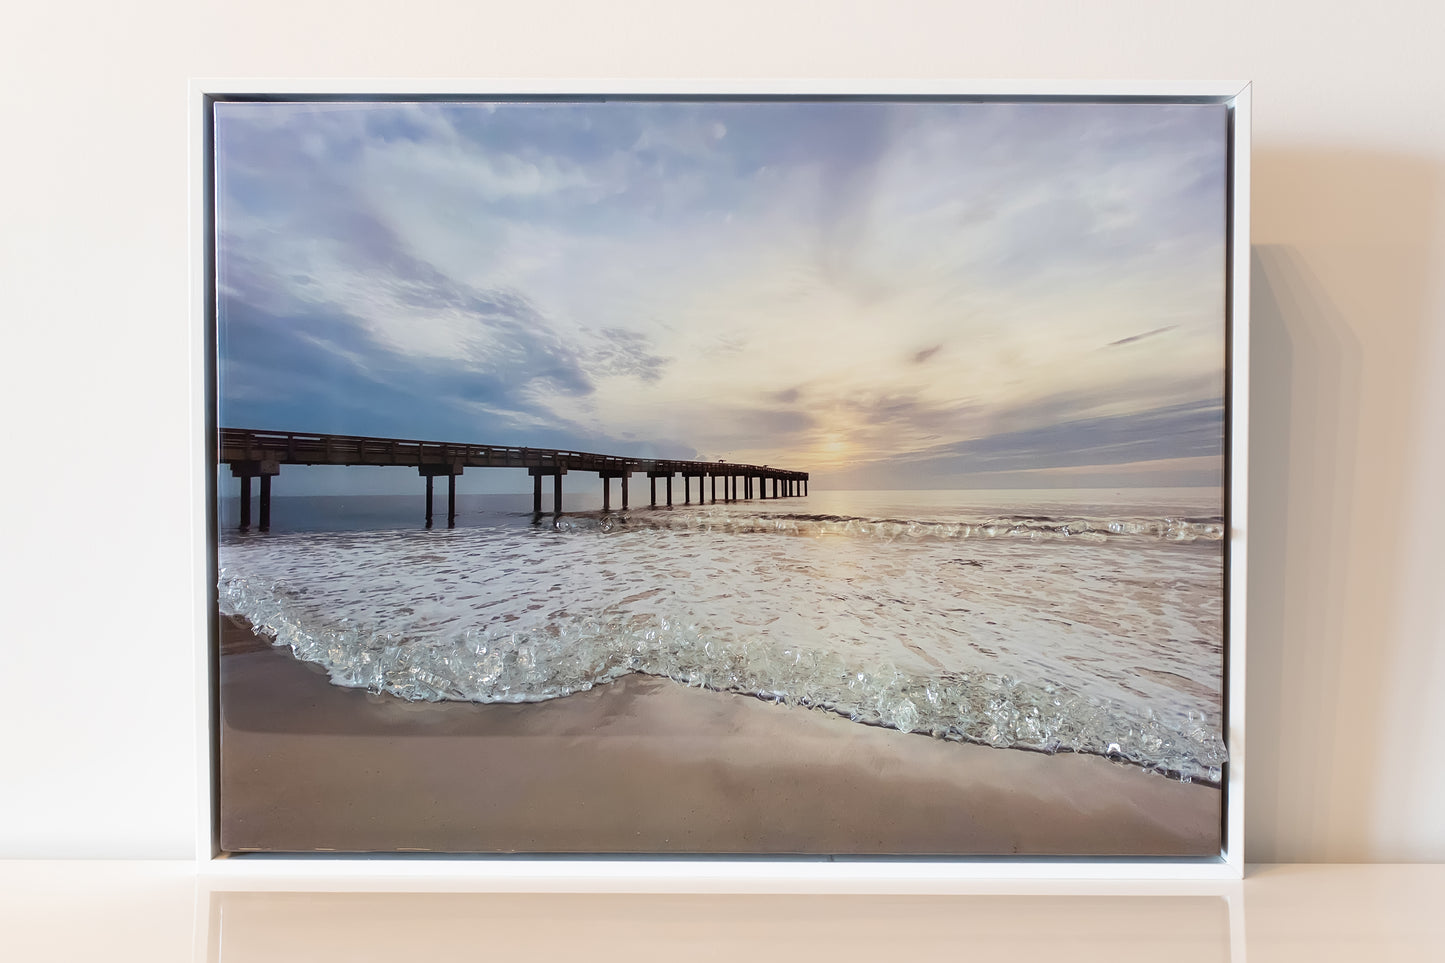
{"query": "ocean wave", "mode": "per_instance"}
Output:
(486, 664)
(1032, 527)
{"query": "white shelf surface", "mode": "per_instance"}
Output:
(166, 911)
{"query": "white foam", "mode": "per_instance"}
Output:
(1111, 646)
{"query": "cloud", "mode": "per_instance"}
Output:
(1140, 337)
(910, 414)
(1172, 445)
(774, 422)
(1174, 431)
(322, 372)
(680, 275)
(618, 352)
(324, 301)
(737, 431)
(724, 345)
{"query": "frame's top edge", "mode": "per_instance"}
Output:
(439, 88)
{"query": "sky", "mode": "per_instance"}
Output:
(886, 295)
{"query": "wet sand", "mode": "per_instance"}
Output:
(645, 765)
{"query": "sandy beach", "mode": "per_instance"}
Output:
(645, 765)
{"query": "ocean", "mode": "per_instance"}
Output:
(1060, 620)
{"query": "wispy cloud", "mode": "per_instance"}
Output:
(1170, 439)
(619, 352)
(1140, 337)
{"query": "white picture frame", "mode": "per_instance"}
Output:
(674, 872)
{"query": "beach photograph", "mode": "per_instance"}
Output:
(810, 477)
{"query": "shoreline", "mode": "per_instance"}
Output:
(648, 765)
(940, 732)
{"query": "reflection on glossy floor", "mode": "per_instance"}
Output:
(275, 926)
(163, 912)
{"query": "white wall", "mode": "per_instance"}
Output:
(1347, 652)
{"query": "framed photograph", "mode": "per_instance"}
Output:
(830, 474)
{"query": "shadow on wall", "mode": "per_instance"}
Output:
(1340, 301)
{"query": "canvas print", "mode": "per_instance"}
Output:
(721, 476)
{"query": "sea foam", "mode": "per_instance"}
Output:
(1057, 642)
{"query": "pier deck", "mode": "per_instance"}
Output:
(261, 454)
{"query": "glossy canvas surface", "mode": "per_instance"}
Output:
(915, 413)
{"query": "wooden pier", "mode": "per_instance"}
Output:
(260, 455)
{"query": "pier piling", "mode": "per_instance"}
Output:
(430, 472)
(652, 477)
(537, 473)
(607, 477)
(246, 469)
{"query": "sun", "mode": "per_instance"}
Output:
(835, 449)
